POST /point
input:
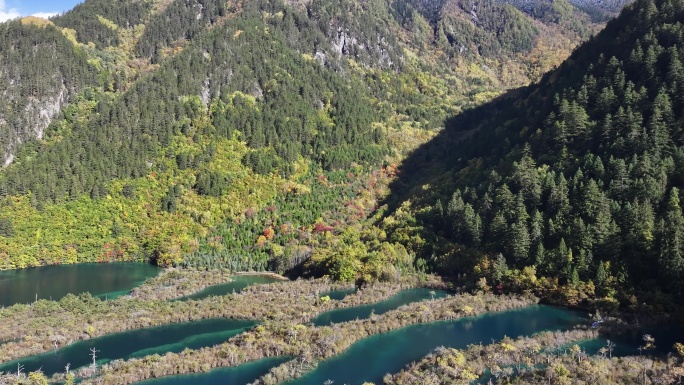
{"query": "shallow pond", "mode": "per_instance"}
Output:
(364, 311)
(238, 375)
(377, 355)
(237, 284)
(134, 343)
(337, 295)
(628, 344)
(104, 280)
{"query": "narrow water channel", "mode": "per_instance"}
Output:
(337, 295)
(364, 311)
(134, 343)
(236, 285)
(627, 344)
(370, 359)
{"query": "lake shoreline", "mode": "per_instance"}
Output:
(287, 307)
(63, 320)
(273, 339)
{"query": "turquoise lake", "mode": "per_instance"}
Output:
(628, 344)
(236, 285)
(337, 295)
(134, 343)
(104, 280)
(370, 359)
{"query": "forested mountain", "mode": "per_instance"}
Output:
(32, 95)
(244, 134)
(98, 21)
(265, 98)
(601, 9)
(122, 41)
(577, 178)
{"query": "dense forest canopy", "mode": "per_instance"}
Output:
(290, 105)
(525, 151)
(262, 134)
(578, 176)
(97, 21)
(34, 94)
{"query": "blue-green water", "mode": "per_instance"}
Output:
(134, 343)
(337, 295)
(105, 280)
(364, 311)
(628, 344)
(370, 359)
(623, 345)
(621, 348)
(238, 375)
(237, 284)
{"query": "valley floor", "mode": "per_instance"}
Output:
(284, 311)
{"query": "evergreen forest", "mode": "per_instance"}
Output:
(360, 140)
(385, 182)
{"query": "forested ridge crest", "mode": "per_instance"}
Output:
(576, 178)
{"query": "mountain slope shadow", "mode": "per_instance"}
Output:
(430, 170)
(494, 134)
(578, 175)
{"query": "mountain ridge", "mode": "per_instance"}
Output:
(569, 186)
(189, 142)
(136, 35)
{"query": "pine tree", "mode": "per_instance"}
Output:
(601, 278)
(525, 179)
(518, 238)
(499, 268)
(472, 226)
(672, 247)
(658, 123)
(675, 73)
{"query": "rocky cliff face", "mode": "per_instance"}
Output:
(40, 71)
